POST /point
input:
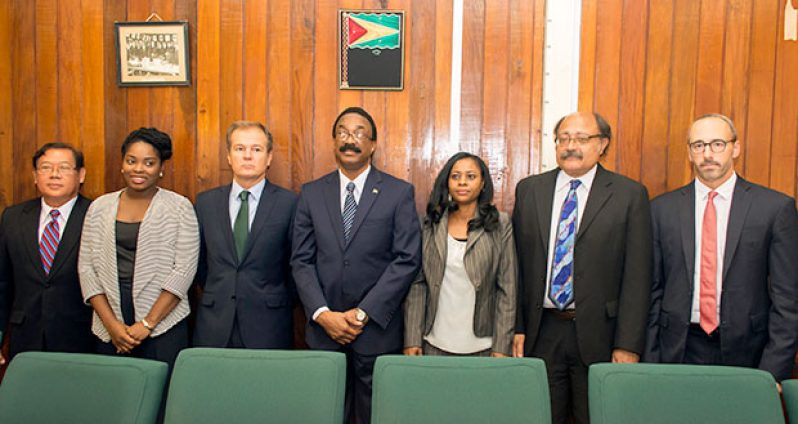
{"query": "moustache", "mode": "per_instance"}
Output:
(351, 147)
(709, 162)
(571, 154)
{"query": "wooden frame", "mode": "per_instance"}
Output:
(371, 49)
(152, 53)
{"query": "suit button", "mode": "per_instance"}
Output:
(346, 263)
(233, 297)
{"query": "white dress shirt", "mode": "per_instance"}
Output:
(561, 188)
(234, 201)
(65, 210)
(722, 207)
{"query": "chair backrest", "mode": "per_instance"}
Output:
(49, 387)
(251, 385)
(438, 389)
(671, 393)
(789, 389)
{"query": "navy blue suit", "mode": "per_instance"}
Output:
(254, 292)
(46, 311)
(373, 271)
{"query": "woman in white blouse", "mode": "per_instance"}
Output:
(138, 256)
(463, 302)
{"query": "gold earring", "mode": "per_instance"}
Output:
(122, 171)
(161, 174)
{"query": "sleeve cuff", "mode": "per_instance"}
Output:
(319, 311)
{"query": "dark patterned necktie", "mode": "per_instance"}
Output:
(561, 292)
(349, 210)
(241, 226)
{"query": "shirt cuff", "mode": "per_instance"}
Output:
(319, 311)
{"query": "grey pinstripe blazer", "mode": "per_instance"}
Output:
(491, 266)
(166, 256)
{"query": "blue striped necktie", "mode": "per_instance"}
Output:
(349, 210)
(561, 291)
(48, 245)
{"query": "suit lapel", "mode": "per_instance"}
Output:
(544, 199)
(687, 219)
(473, 236)
(70, 235)
(600, 193)
(332, 200)
(217, 206)
(740, 204)
(440, 237)
(367, 197)
(265, 207)
(30, 222)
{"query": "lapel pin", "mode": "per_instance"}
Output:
(375, 190)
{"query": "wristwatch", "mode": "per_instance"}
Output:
(360, 315)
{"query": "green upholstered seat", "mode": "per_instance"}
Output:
(436, 389)
(671, 393)
(48, 387)
(264, 386)
(790, 392)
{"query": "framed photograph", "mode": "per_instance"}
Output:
(371, 49)
(152, 53)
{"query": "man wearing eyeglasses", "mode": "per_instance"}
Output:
(357, 248)
(725, 286)
(39, 289)
(583, 236)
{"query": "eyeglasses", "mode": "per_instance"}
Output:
(579, 139)
(359, 135)
(49, 168)
(716, 146)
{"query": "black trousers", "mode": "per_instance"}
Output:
(556, 344)
(702, 348)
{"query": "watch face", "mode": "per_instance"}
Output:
(360, 315)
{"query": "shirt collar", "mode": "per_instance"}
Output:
(360, 180)
(64, 209)
(254, 191)
(724, 191)
(564, 180)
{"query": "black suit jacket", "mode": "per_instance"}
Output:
(759, 296)
(612, 262)
(256, 289)
(373, 271)
(45, 312)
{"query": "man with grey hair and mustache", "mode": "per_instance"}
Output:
(725, 286)
(583, 236)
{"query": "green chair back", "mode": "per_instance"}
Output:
(48, 387)
(789, 389)
(671, 393)
(250, 385)
(437, 389)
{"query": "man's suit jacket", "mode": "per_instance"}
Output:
(257, 289)
(612, 262)
(759, 295)
(373, 271)
(491, 266)
(42, 307)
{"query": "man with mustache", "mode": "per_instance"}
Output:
(725, 286)
(356, 250)
(583, 236)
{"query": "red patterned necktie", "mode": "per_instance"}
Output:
(708, 299)
(48, 245)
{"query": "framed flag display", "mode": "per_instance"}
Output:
(371, 46)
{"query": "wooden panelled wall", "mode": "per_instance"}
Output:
(648, 66)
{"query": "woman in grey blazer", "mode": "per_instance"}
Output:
(138, 256)
(463, 301)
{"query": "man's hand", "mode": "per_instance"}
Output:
(2, 360)
(620, 356)
(351, 318)
(518, 345)
(338, 328)
(412, 351)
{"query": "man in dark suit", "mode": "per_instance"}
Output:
(39, 288)
(357, 248)
(725, 286)
(245, 233)
(583, 236)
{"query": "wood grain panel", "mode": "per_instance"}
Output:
(232, 73)
(493, 148)
(783, 165)
(70, 85)
(208, 82)
(6, 105)
(184, 113)
(394, 147)
(709, 71)
(255, 94)
(608, 70)
(24, 83)
(472, 82)
(299, 152)
(115, 104)
(46, 71)
(735, 91)
(92, 123)
(279, 83)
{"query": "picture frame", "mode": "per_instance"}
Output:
(152, 53)
(371, 49)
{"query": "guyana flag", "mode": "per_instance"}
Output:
(371, 49)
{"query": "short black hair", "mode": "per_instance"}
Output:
(604, 128)
(152, 136)
(361, 112)
(59, 145)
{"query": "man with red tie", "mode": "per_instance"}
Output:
(40, 297)
(725, 284)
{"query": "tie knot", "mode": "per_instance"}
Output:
(575, 184)
(712, 195)
(244, 196)
(350, 187)
(55, 213)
